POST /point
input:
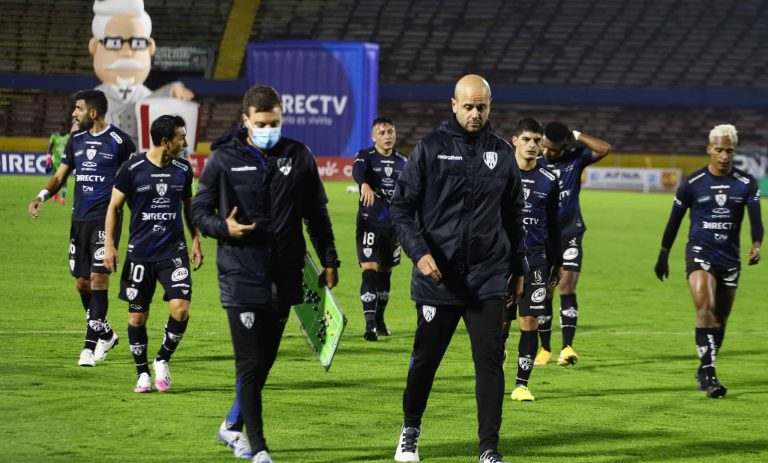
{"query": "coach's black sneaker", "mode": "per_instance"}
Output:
(491, 456)
(714, 389)
(370, 331)
(381, 329)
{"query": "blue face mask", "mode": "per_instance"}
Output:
(184, 153)
(266, 137)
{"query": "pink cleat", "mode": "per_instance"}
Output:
(144, 384)
(162, 375)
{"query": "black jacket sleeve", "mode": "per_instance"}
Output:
(554, 248)
(206, 206)
(512, 205)
(409, 193)
(316, 217)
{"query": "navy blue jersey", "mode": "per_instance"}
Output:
(568, 169)
(95, 159)
(717, 209)
(380, 173)
(541, 192)
(155, 196)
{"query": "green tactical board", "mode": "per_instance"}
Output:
(322, 320)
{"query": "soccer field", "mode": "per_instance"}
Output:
(632, 396)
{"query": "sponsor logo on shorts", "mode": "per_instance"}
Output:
(247, 319)
(731, 276)
(177, 261)
(131, 293)
(537, 278)
(570, 253)
(367, 297)
(102, 237)
(179, 274)
(525, 363)
(135, 306)
(428, 312)
(99, 254)
(539, 295)
(703, 264)
(185, 291)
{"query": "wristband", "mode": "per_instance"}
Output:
(44, 195)
(576, 135)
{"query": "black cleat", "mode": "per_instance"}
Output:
(381, 329)
(370, 332)
(714, 389)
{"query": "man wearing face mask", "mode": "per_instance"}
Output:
(158, 188)
(95, 152)
(254, 192)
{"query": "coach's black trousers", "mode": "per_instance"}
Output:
(434, 330)
(256, 334)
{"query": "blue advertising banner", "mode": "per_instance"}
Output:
(22, 163)
(329, 90)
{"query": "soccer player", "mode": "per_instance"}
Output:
(567, 153)
(254, 191)
(56, 145)
(717, 195)
(97, 152)
(541, 193)
(376, 169)
(458, 211)
(158, 188)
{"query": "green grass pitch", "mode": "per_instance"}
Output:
(632, 396)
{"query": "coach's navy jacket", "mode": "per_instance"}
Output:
(275, 192)
(460, 199)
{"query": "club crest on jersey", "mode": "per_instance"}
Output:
(131, 293)
(720, 199)
(526, 193)
(284, 164)
(161, 188)
(429, 312)
(388, 171)
(91, 153)
(247, 319)
(490, 158)
(367, 252)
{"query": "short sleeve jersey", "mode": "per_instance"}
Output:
(155, 196)
(539, 184)
(717, 209)
(568, 169)
(381, 173)
(95, 159)
(58, 142)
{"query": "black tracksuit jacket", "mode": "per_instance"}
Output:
(275, 192)
(460, 199)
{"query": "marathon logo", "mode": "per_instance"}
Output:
(90, 178)
(314, 104)
(146, 216)
(717, 225)
(447, 157)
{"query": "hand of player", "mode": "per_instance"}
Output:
(428, 267)
(197, 252)
(367, 195)
(754, 254)
(34, 207)
(555, 275)
(514, 289)
(236, 229)
(662, 265)
(110, 258)
(328, 277)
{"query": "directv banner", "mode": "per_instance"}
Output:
(22, 163)
(632, 179)
(329, 90)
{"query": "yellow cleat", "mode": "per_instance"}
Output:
(522, 394)
(543, 357)
(567, 357)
